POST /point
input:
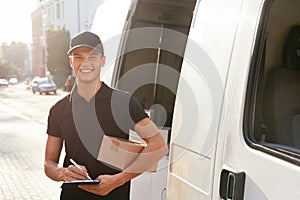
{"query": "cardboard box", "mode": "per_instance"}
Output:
(119, 152)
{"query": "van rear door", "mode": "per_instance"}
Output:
(109, 23)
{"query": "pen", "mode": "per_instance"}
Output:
(76, 165)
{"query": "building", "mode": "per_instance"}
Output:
(38, 47)
(72, 15)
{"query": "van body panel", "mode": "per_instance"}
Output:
(265, 175)
(191, 165)
(179, 189)
(236, 83)
(197, 114)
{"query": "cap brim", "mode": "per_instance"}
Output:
(83, 45)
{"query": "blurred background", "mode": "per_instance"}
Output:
(35, 35)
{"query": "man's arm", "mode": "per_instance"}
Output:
(52, 154)
(156, 147)
(155, 150)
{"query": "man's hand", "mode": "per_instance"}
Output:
(106, 185)
(73, 173)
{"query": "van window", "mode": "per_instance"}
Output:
(272, 115)
(150, 21)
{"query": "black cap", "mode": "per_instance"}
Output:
(86, 39)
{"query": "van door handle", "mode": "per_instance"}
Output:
(232, 185)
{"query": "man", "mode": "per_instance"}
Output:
(69, 83)
(71, 122)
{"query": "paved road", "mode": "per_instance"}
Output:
(22, 141)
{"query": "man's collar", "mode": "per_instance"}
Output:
(74, 95)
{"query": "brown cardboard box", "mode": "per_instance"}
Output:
(120, 152)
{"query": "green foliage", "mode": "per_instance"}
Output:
(14, 60)
(57, 43)
(3, 69)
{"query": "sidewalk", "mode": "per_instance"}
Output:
(22, 145)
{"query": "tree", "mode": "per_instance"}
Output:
(57, 44)
(15, 59)
(3, 69)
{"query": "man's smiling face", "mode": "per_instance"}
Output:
(86, 64)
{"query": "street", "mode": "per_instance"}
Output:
(23, 123)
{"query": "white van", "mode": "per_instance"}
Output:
(224, 76)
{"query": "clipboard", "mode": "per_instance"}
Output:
(75, 183)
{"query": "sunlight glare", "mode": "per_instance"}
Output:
(15, 20)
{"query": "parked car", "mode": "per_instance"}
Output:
(43, 85)
(13, 81)
(3, 82)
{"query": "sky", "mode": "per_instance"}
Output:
(15, 20)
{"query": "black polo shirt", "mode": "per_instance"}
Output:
(82, 125)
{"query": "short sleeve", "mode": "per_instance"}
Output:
(52, 127)
(136, 110)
